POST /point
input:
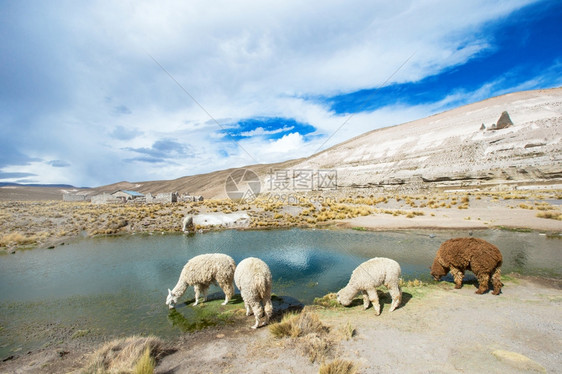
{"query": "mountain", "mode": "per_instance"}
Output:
(459, 148)
(4, 184)
(464, 147)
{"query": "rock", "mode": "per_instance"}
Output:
(217, 220)
(504, 121)
(518, 361)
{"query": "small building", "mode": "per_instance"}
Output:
(127, 195)
(162, 198)
(73, 197)
(106, 198)
(190, 198)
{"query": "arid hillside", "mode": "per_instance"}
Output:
(459, 148)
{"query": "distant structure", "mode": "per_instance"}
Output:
(106, 198)
(127, 195)
(190, 198)
(162, 198)
(134, 197)
(75, 197)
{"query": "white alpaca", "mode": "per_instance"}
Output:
(200, 272)
(253, 279)
(367, 277)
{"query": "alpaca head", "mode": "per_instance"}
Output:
(171, 300)
(438, 270)
(344, 298)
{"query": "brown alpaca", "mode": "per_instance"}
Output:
(477, 255)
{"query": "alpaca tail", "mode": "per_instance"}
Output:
(262, 286)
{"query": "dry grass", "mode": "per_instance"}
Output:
(16, 239)
(42, 223)
(307, 331)
(348, 331)
(134, 354)
(145, 364)
(338, 367)
(550, 215)
(295, 325)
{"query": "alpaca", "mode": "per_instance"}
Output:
(253, 278)
(477, 255)
(367, 277)
(200, 272)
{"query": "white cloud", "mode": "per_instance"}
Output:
(260, 131)
(238, 60)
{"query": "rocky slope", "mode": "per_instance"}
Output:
(458, 147)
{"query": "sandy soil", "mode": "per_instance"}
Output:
(477, 217)
(436, 330)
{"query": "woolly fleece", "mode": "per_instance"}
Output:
(253, 278)
(200, 272)
(477, 255)
(367, 277)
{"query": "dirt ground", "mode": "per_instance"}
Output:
(437, 329)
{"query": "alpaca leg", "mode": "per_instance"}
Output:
(366, 301)
(258, 312)
(496, 281)
(268, 310)
(228, 289)
(246, 303)
(374, 297)
(483, 280)
(204, 288)
(396, 295)
(197, 292)
(457, 276)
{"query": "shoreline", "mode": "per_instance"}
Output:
(233, 347)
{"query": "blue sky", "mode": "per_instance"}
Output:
(97, 92)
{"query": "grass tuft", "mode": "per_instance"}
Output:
(134, 354)
(145, 364)
(328, 301)
(338, 367)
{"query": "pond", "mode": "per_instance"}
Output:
(117, 286)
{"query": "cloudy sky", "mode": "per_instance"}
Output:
(96, 92)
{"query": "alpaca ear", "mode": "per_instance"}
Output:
(169, 292)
